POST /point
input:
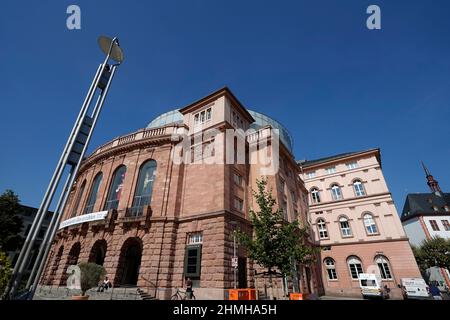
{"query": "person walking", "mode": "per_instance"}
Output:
(189, 288)
(435, 292)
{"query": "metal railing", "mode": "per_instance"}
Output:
(150, 286)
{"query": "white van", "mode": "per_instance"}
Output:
(371, 286)
(415, 288)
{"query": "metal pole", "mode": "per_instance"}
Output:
(234, 255)
(96, 112)
(25, 252)
(46, 237)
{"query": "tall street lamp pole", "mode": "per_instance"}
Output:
(71, 156)
(235, 259)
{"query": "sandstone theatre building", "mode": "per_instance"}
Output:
(152, 220)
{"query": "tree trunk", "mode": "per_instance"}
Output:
(270, 285)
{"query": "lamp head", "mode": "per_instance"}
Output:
(111, 47)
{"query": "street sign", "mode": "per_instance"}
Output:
(234, 262)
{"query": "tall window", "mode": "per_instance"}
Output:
(115, 190)
(144, 187)
(322, 228)
(330, 267)
(238, 204)
(383, 265)
(369, 224)
(336, 193)
(446, 225)
(93, 194)
(315, 195)
(359, 188)
(345, 227)
(78, 199)
(237, 179)
(192, 261)
(434, 225)
(355, 266)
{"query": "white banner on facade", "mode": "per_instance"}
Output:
(84, 218)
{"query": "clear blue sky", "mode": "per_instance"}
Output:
(313, 65)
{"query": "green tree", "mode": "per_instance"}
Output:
(5, 271)
(10, 223)
(91, 274)
(275, 243)
(434, 252)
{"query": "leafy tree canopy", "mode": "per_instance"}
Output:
(275, 243)
(10, 223)
(434, 252)
(5, 271)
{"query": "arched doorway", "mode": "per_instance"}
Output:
(72, 259)
(98, 252)
(129, 262)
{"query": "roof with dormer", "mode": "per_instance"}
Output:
(425, 204)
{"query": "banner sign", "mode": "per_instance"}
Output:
(84, 218)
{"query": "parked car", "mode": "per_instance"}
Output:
(372, 287)
(415, 288)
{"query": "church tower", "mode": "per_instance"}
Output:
(433, 184)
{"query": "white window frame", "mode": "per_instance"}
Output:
(369, 224)
(322, 229)
(352, 165)
(311, 175)
(203, 116)
(359, 189)
(195, 238)
(330, 267)
(384, 267)
(355, 264)
(315, 195)
(334, 194)
(345, 231)
(330, 170)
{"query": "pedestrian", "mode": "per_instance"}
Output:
(189, 288)
(435, 292)
(105, 285)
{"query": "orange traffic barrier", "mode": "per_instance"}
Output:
(298, 296)
(241, 294)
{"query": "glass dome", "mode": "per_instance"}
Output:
(173, 116)
(261, 120)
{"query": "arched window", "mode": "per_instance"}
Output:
(322, 228)
(315, 195)
(330, 267)
(336, 193)
(369, 224)
(144, 187)
(115, 190)
(344, 225)
(359, 188)
(93, 194)
(355, 266)
(76, 204)
(383, 264)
